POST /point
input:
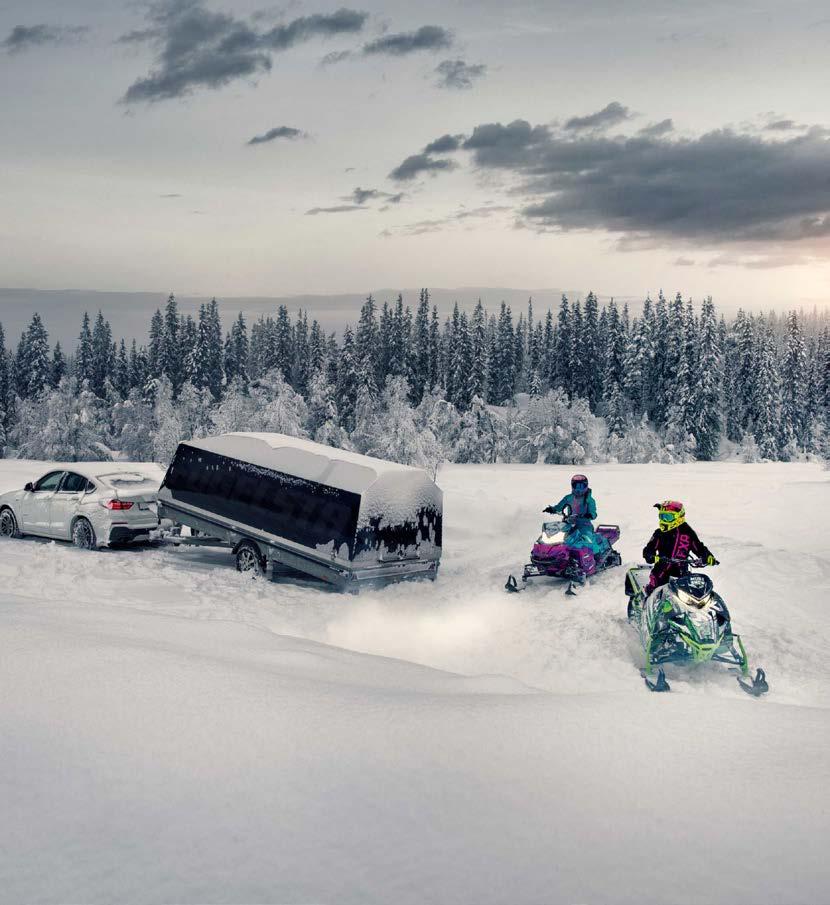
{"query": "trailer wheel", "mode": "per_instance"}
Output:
(249, 559)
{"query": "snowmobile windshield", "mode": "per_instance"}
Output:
(693, 590)
(553, 532)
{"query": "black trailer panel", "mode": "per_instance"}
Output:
(298, 510)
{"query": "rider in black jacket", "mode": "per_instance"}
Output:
(673, 539)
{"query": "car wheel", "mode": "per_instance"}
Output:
(83, 535)
(249, 559)
(8, 524)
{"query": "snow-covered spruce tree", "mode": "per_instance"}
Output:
(461, 365)
(317, 349)
(366, 342)
(84, 368)
(767, 394)
(32, 362)
(611, 365)
(794, 377)
(283, 343)
(61, 424)
(434, 350)
(503, 373)
(155, 348)
(139, 371)
(121, 371)
(576, 382)
(211, 352)
(323, 422)
(638, 363)
(236, 351)
(591, 347)
(188, 342)
(394, 434)
(678, 384)
(299, 361)
(657, 378)
(448, 352)
(57, 371)
(421, 359)
(746, 351)
(477, 379)
(102, 355)
(172, 361)
(706, 382)
(560, 366)
(519, 349)
(547, 365)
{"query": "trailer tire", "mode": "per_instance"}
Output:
(249, 559)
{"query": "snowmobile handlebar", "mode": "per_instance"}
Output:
(693, 563)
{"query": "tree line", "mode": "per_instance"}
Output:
(587, 382)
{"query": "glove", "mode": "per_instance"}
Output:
(711, 561)
(550, 509)
(650, 559)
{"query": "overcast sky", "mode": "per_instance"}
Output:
(243, 149)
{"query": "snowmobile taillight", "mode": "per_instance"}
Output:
(117, 505)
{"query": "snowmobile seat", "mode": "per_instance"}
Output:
(610, 532)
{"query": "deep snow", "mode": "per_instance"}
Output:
(173, 731)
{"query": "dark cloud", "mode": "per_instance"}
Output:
(655, 130)
(199, 48)
(277, 132)
(336, 56)
(25, 37)
(721, 187)
(416, 164)
(171, 195)
(444, 144)
(360, 196)
(610, 115)
(336, 209)
(458, 74)
(782, 125)
(427, 37)
(343, 21)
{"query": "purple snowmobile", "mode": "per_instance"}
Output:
(563, 551)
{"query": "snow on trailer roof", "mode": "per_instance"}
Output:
(339, 468)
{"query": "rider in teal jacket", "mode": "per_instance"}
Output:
(580, 507)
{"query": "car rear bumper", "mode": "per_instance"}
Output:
(124, 534)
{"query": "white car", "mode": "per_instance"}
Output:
(89, 504)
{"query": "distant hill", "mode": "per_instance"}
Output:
(130, 312)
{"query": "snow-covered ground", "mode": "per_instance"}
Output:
(173, 731)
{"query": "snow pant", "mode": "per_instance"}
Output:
(662, 572)
(586, 560)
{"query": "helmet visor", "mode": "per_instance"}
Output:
(579, 486)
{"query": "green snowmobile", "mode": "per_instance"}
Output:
(686, 621)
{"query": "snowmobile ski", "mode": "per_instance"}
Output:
(512, 585)
(571, 589)
(755, 686)
(660, 685)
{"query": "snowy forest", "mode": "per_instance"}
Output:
(587, 383)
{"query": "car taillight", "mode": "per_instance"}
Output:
(117, 505)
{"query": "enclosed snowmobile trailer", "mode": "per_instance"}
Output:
(335, 515)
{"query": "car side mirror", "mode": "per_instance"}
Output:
(29, 487)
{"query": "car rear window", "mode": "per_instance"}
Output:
(73, 483)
